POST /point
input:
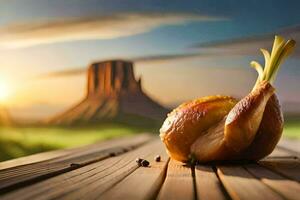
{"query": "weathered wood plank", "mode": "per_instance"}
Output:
(143, 183)
(15, 177)
(207, 184)
(109, 171)
(287, 188)
(292, 152)
(240, 184)
(122, 170)
(88, 182)
(39, 157)
(288, 167)
(291, 145)
(280, 153)
(178, 183)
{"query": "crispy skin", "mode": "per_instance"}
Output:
(269, 132)
(188, 122)
(218, 128)
(234, 136)
(243, 121)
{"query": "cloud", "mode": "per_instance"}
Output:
(96, 27)
(143, 59)
(239, 46)
(169, 57)
(251, 45)
(63, 73)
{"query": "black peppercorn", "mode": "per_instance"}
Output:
(157, 158)
(145, 163)
(138, 161)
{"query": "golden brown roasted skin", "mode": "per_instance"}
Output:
(187, 122)
(244, 119)
(269, 132)
(220, 128)
(228, 139)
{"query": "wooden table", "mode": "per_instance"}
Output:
(108, 170)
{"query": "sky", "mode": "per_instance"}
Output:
(182, 49)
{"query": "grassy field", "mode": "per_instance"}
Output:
(17, 142)
(292, 129)
(20, 141)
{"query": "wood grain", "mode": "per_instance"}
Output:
(88, 182)
(39, 157)
(240, 184)
(15, 177)
(108, 171)
(288, 167)
(143, 183)
(287, 188)
(49, 155)
(178, 183)
(207, 184)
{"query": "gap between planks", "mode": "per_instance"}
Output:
(240, 184)
(94, 181)
(183, 182)
(88, 182)
(178, 183)
(17, 177)
(289, 189)
(49, 155)
(286, 167)
(144, 183)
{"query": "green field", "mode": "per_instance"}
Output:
(292, 129)
(16, 142)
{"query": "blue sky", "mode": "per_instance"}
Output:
(130, 29)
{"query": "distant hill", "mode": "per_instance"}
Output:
(114, 95)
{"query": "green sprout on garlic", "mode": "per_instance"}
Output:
(281, 49)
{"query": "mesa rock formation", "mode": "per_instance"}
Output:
(113, 94)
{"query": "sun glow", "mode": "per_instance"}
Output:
(4, 92)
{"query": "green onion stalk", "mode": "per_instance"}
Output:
(281, 49)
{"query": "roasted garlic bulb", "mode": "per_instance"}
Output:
(216, 128)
